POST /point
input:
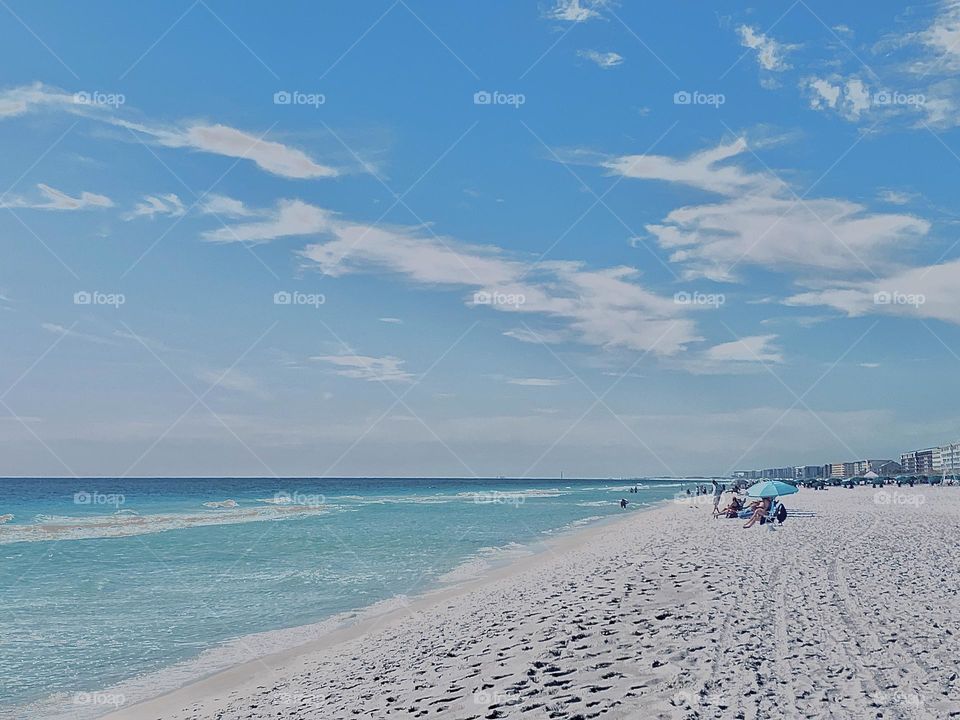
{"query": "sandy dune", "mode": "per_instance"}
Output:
(853, 613)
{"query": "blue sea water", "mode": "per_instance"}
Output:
(108, 580)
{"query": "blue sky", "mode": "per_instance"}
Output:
(516, 238)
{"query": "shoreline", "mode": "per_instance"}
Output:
(343, 626)
(664, 613)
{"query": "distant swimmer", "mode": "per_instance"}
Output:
(623, 503)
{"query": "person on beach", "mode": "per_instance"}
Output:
(759, 511)
(733, 509)
(718, 489)
(623, 503)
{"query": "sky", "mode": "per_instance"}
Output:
(420, 238)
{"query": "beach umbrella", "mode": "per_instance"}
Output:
(871, 475)
(770, 489)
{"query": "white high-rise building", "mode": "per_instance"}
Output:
(950, 457)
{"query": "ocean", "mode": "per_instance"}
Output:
(117, 589)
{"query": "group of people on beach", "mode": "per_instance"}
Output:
(760, 507)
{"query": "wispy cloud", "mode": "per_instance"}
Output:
(153, 205)
(755, 348)
(921, 292)
(605, 307)
(576, 11)
(53, 199)
(363, 367)
(771, 54)
(759, 220)
(271, 156)
(605, 60)
(226, 207)
(291, 217)
(537, 382)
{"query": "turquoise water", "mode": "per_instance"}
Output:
(106, 580)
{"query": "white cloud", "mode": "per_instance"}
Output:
(755, 348)
(930, 292)
(770, 53)
(363, 367)
(705, 170)
(274, 157)
(292, 217)
(603, 307)
(849, 96)
(605, 60)
(825, 93)
(226, 207)
(391, 320)
(577, 11)
(942, 39)
(761, 222)
(54, 199)
(896, 197)
(153, 205)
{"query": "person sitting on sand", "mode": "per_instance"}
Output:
(759, 511)
(731, 510)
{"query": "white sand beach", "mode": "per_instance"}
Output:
(851, 613)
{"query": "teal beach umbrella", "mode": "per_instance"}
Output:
(770, 489)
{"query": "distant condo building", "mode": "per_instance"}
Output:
(928, 461)
(921, 462)
(950, 457)
(857, 468)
